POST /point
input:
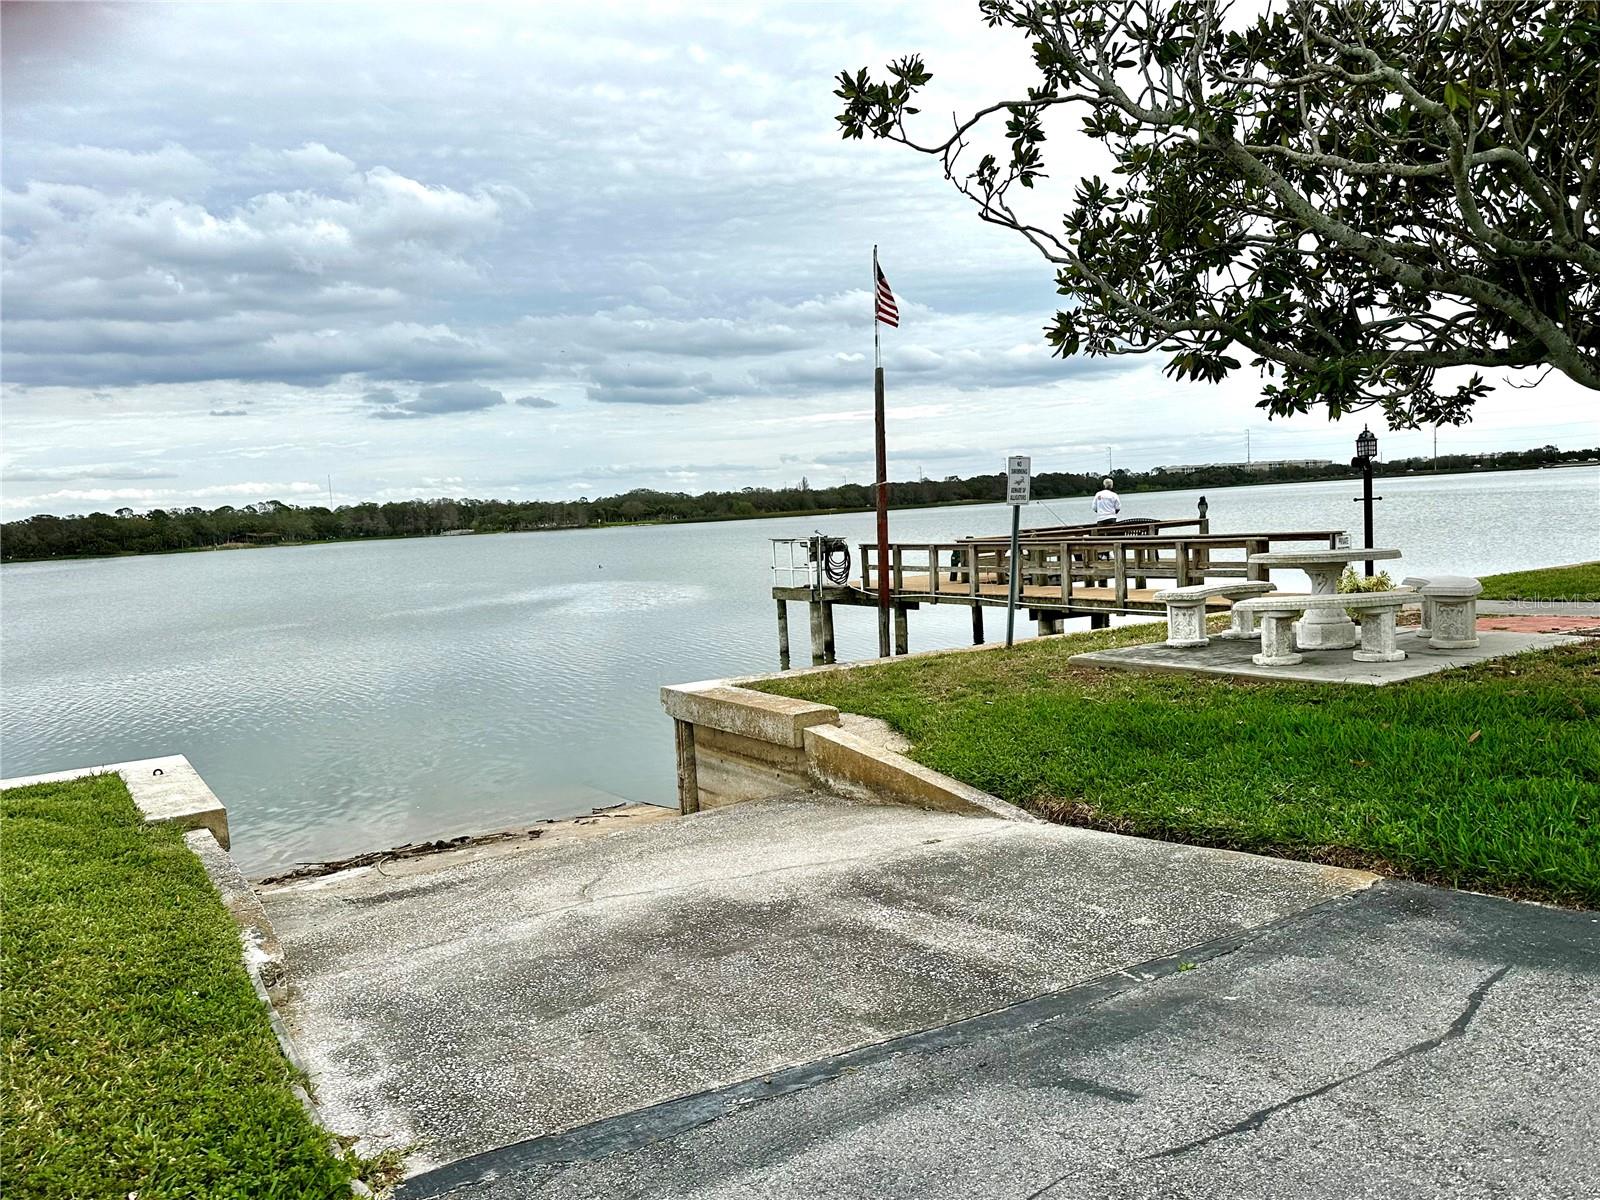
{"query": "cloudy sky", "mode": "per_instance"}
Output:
(536, 250)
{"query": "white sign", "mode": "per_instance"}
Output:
(1019, 478)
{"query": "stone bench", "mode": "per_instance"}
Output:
(1186, 610)
(1375, 611)
(1449, 609)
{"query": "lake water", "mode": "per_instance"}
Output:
(351, 697)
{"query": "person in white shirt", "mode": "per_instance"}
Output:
(1107, 504)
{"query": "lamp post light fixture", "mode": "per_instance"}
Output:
(1366, 451)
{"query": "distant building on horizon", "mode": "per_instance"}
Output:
(1260, 464)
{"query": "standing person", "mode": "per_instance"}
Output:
(1107, 504)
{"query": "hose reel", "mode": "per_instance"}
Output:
(832, 556)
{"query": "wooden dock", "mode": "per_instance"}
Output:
(1064, 572)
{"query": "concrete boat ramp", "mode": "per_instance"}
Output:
(805, 996)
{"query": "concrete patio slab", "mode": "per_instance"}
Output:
(1231, 659)
(471, 1003)
(1405, 1041)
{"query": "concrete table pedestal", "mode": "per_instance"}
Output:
(1325, 628)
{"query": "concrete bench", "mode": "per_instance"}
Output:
(1450, 611)
(1419, 582)
(1375, 610)
(1186, 610)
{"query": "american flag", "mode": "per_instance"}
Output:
(888, 312)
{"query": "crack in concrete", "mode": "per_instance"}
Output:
(1260, 1117)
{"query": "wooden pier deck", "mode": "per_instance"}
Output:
(1065, 572)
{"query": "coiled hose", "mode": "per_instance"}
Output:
(833, 556)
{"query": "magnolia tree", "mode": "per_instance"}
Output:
(1353, 195)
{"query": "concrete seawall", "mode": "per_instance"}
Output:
(735, 745)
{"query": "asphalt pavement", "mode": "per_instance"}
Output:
(1398, 1041)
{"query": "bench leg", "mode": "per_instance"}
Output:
(1243, 627)
(1454, 625)
(1186, 624)
(1277, 641)
(1427, 617)
(1377, 638)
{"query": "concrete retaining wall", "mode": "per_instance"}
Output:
(735, 744)
(167, 790)
(730, 767)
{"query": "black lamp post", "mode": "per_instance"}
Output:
(1366, 451)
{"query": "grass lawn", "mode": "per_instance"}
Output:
(137, 1058)
(1581, 581)
(1485, 778)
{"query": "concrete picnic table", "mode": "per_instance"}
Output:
(1329, 628)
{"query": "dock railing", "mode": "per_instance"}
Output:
(1050, 569)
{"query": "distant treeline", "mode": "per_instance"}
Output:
(275, 523)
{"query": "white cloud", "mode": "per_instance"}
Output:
(311, 163)
(111, 167)
(85, 471)
(638, 221)
(107, 289)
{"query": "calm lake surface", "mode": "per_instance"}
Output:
(352, 697)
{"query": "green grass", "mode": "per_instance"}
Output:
(1485, 778)
(137, 1057)
(1581, 581)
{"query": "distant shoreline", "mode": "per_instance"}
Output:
(1137, 489)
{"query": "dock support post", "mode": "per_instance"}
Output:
(688, 776)
(977, 623)
(1099, 620)
(901, 636)
(827, 634)
(817, 637)
(783, 635)
(1255, 571)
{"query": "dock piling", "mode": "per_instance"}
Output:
(901, 635)
(977, 623)
(783, 635)
(818, 648)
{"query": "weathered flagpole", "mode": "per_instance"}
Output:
(883, 471)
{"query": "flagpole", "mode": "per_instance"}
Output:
(882, 446)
